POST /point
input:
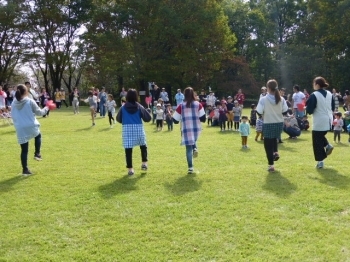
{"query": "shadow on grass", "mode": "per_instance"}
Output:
(279, 185)
(12, 131)
(184, 185)
(284, 147)
(105, 129)
(84, 129)
(7, 185)
(333, 178)
(122, 185)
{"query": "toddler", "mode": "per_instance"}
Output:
(237, 110)
(229, 114)
(111, 105)
(244, 130)
(169, 117)
(222, 115)
(159, 117)
(253, 115)
(259, 128)
(210, 113)
(338, 126)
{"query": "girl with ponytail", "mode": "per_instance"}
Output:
(272, 107)
(26, 125)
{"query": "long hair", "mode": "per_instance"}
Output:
(273, 86)
(189, 96)
(21, 90)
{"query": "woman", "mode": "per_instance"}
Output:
(272, 107)
(291, 127)
(191, 113)
(321, 105)
(26, 125)
(75, 100)
(130, 115)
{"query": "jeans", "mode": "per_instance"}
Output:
(102, 109)
(189, 154)
(25, 148)
(75, 104)
(291, 131)
(298, 113)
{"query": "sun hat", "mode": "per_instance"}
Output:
(264, 87)
(158, 105)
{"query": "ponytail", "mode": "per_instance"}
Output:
(21, 90)
(273, 86)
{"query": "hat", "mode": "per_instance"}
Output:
(264, 87)
(347, 113)
(235, 101)
(229, 97)
(158, 105)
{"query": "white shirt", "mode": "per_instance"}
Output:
(298, 99)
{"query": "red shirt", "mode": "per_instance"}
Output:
(240, 98)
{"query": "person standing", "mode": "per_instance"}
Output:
(3, 97)
(31, 93)
(63, 97)
(102, 96)
(179, 97)
(336, 97)
(26, 125)
(272, 107)
(321, 105)
(122, 94)
(298, 98)
(202, 98)
(263, 92)
(164, 95)
(240, 97)
(130, 115)
(211, 99)
(190, 113)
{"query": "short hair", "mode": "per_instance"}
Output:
(338, 114)
(27, 83)
(245, 117)
(296, 87)
(131, 96)
(252, 106)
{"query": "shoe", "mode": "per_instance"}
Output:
(111, 126)
(26, 172)
(329, 149)
(37, 157)
(256, 139)
(247, 147)
(276, 156)
(93, 124)
(144, 167)
(190, 171)
(131, 172)
(271, 169)
(320, 164)
(195, 153)
(280, 141)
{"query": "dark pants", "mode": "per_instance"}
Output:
(110, 117)
(291, 131)
(236, 125)
(58, 104)
(102, 109)
(154, 118)
(337, 135)
(160, 123)
(24, 151)
(222, 125)
(128, 155)
(319, 142)
(64, 101)
(210, 121)
(170, 124)
(270, 145)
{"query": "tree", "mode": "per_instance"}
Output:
(12, 30)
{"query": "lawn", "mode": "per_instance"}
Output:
(81, 206)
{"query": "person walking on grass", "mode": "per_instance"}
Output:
(92, 101)
(190, 113)
(321, 105)
(272, 107)
(26, 125)
(130, 115)
(244, 130)
(111, 105)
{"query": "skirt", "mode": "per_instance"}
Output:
(272, 130)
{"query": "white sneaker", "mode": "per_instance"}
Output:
(111, 126)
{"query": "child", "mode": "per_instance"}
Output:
(305, 123)
(190, 113)
(210, 114)
(237, 110)
(75, 101)
(229, 114)
(111, 105)
(92, 101)
(259, 128)
(338, 126)
(169, 117)
(130, 116)
(44, 98)
(154, 108)
(159, 117)
(26, 125)
(244, 130)
(222, 115)
(253, 115)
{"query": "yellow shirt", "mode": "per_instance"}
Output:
(63, 95)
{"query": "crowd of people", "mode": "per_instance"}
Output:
(274, 113)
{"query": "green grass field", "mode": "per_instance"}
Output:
(81, 206)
